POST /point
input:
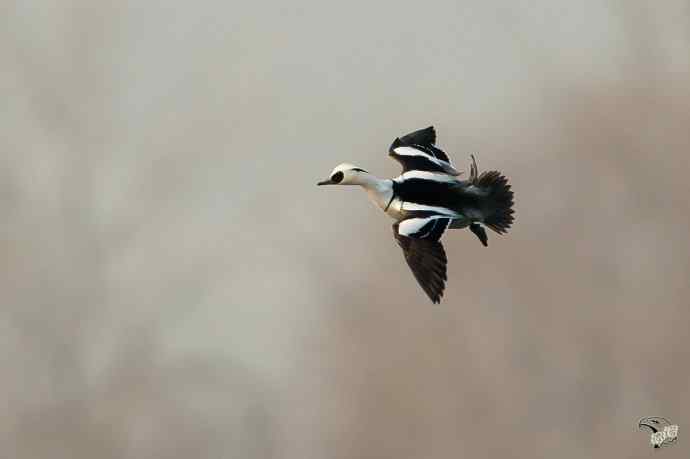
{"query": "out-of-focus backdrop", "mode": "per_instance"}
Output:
(173, 284)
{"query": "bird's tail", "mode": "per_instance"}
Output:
(499, 201)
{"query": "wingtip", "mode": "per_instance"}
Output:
(431, 130)
(438, 297)
(396, 143)
(426, 136)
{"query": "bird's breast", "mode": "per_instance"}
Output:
(384, 198)
(395, 209)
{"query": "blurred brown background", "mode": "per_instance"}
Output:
(175, 285)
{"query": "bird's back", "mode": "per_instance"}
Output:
(456, 195)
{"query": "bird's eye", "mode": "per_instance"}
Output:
(337, 177)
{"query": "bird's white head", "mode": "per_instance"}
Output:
(346, 174)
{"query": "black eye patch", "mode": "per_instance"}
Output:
(359, 170)
(337, 177)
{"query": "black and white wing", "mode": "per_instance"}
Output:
(419, 240)
(416, 152)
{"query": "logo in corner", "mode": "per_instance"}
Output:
(663, 433)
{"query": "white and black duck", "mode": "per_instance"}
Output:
(427, 199)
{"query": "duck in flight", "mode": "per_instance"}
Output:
(427, 199)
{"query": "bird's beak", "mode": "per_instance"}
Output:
(326, 182)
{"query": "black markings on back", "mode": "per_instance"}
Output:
(433, 193)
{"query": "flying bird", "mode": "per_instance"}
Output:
(427, 199)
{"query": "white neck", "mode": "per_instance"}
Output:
(380, 191)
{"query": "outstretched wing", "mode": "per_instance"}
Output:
(416, 152)
(419, 240)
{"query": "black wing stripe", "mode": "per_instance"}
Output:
(440, 225)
